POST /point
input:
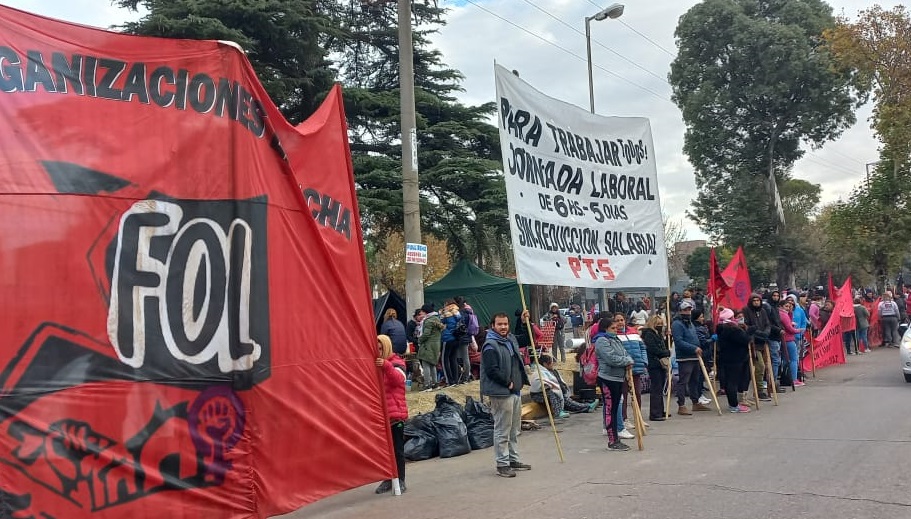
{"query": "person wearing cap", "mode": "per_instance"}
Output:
(733, 357)
(686, 345)
(430, 345)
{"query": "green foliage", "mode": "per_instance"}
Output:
(300, 47)
(753, 81)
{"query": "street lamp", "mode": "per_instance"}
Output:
(611, 11)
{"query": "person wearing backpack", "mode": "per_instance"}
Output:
(452, 334)
(888, 319)
(470, 325)
(612, 362)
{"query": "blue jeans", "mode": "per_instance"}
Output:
(862, 338)
(792, 354)
(775, 353)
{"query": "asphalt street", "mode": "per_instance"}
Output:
(838, 448)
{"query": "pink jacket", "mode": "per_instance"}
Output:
(788, 331)
(394, 382)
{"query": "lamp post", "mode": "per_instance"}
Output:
(612, 11)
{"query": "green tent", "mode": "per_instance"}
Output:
(486, 294)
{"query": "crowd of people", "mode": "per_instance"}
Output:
(632, 342)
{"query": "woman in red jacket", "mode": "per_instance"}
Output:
(393, 369)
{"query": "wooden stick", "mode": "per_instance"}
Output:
(768, 366)
(637, 413)
(670, 389)
(812, 353)
(753, 376)
(534, 353)
(705, 373)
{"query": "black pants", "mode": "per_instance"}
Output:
(450, 359)
(658, 377)
(611, 391)
(398, 444)
(734, 375)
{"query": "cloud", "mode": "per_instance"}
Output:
(95, 13)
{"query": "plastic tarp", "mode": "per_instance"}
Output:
(487, 294)
(167, 243)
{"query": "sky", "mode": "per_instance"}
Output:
(544, 40)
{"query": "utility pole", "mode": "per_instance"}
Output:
(414, 272)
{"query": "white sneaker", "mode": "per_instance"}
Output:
(626, 435)
(603, 432)
(704, 401)
(629, 425)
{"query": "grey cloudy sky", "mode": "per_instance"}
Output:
(544, 40)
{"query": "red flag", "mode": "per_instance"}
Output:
(833, 293)
(736, 277)
(167, 286)
(717, 285)
(828, 346)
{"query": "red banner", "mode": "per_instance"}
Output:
(828, 347)
(167, 286)
(875, 332)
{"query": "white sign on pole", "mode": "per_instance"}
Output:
(415, 253)
(582, 192)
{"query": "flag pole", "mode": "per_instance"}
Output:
(534, 353)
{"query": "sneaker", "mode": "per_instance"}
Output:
(384, 487)
(518, 465)
(506, 472)
(629, 425)
(563, 414)
(798, 383)
(781, 389)
(618, 446)
(764, 396)
(740, 409)
(592, 406)
(427, 390)
(682, 410)
(626, 435)
(699, 406)
(603, 432)
(656, 418)
(704, 401)
(402, 486)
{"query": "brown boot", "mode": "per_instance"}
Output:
(701, 407)
(681, 409)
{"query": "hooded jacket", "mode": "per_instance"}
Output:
(612, 357)
(757, 320)
(431, 335)
(394, 385)
(685, 339)
(501, 365)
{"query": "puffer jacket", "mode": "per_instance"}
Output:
(612, 357)
(685, 339)
(635, 348)
(394, 384)
(450, 317)
(430, 339)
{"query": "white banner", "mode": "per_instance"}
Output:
(582, 190)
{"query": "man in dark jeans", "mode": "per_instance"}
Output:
(502, 377)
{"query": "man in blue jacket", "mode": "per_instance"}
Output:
(502, 377)
(686, 345)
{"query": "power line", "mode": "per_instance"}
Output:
(630, 27)
(577, 31)
(564, 49)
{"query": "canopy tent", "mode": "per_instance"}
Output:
(485, 293)
(386, 301)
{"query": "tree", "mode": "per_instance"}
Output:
(754, 80)
(463, 196)
(285, 40)
(387, 264)
(877, 48)
(290, 43)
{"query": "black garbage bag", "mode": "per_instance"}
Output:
(445, 403)
(479, 421)
(422, 441)
(452, 433)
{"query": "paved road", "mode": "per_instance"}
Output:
(838, 448)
